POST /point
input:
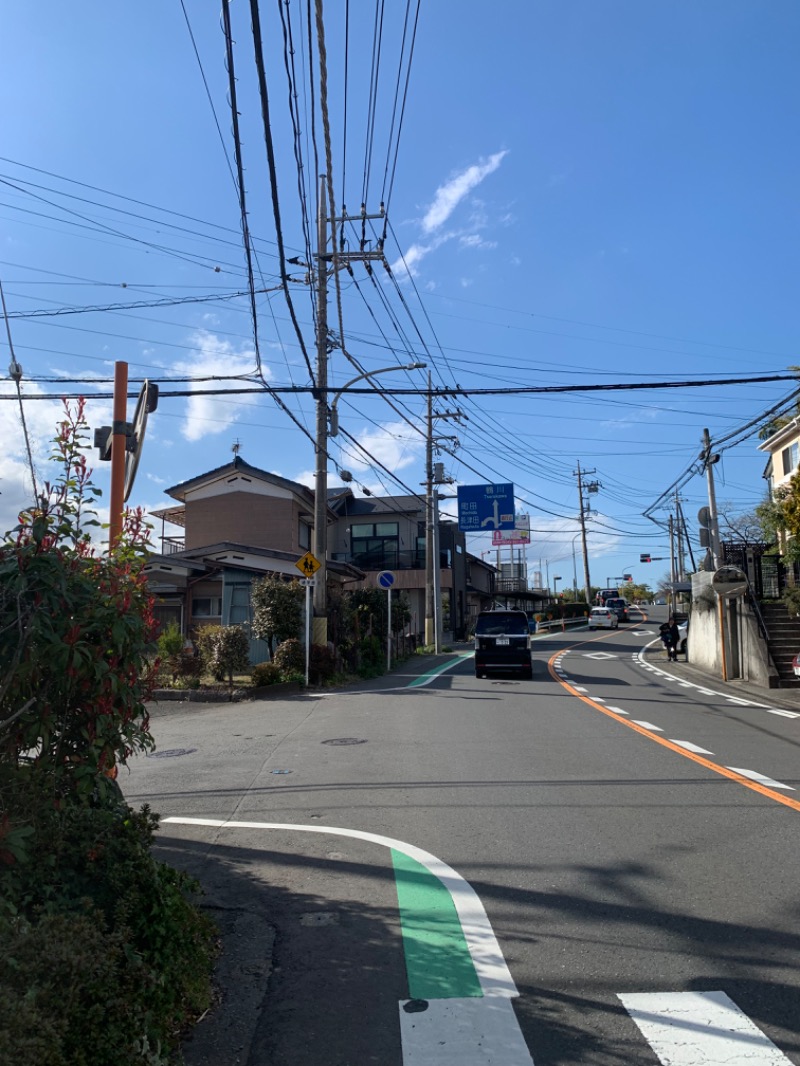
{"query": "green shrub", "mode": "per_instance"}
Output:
(322, 664)
(205, 641)
(266, 674)
(290, 656)
(148, 957)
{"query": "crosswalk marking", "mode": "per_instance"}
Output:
(700, 1029)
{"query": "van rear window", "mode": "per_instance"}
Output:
(505, 622)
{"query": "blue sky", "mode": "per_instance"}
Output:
(585, 192)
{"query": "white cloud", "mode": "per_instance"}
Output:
(212, 414)
(450, 195)
(474, 240)
(389, 444)
(42, 418)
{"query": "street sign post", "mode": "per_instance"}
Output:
(308, 564)
(485, 508)
(385, 581)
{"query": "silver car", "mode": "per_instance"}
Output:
(602, 618)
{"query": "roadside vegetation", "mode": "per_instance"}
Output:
(104, 955)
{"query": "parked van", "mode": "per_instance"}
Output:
(502, 642)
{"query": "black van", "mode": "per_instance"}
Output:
(502, 642)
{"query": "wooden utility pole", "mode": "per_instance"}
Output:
(320, 634)
(119, 442)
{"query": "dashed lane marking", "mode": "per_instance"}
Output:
(700, 759)
(755, 776)
(649, 725)
(692, 747)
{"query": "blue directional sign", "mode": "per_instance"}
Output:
(483, 508)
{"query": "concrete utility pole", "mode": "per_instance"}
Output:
(433, 577)
(326, 259)
(430, 621)
(587, 581)
(713, 523)
(320, 634)
(672, 564)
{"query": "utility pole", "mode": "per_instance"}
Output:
(320, 634)
(326, 259)
(713, 523)
(582, 515)
(672, 564)
(433, 577)
(430, 621)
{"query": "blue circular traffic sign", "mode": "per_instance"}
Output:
(386, 579)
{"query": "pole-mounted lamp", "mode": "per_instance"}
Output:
(333, 414)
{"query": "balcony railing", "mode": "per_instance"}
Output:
(399, 560)
(170, 545)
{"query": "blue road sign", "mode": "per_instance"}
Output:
(485, 507)
(386, 579)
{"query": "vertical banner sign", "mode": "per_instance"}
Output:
(385, 581)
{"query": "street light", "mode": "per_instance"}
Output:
(333, 414)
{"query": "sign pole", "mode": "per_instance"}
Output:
(389, 629)
(119, 442)
(309, 583)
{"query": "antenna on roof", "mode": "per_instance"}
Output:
(236, 447)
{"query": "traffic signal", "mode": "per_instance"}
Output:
(627, 577)
(644, 559)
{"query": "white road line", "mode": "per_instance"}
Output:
(691, 747)
(617, 710)
(742, 703)
(462, 1032)
(700, 1029)
(649, 725)
(761, 778)
(579, 689)
(782, 713)
(598, 699)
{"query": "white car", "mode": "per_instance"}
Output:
(602, 618)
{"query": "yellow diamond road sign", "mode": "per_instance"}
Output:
(308, 565)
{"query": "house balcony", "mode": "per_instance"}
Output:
(171, 545)
(399, 560)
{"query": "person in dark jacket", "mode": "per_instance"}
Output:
(671, 639)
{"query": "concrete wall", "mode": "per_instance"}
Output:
(705, 643)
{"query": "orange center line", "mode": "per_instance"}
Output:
(723, 771)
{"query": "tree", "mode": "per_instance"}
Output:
(277, 610)
(742, 527)
(77, 632)
(230, 653)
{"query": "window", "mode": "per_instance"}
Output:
(790, 457)
(304, 536)
(375, 545)
(207, 607)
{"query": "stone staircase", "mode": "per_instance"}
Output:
(783, 642)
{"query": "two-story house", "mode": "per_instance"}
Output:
(388, 533)
(783, 449)
(239, 523)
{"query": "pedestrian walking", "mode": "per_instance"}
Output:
(670, 638)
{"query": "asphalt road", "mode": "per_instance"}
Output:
(626, 833)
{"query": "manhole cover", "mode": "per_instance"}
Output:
(320, 918)
(171, 753)
(344, 740)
